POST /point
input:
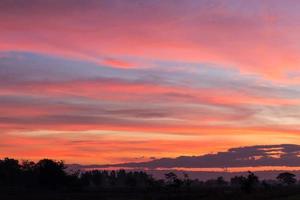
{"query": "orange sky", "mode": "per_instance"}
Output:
(115, 81)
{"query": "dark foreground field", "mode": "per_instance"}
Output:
(226, 194)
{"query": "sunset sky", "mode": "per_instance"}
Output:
(109, 81)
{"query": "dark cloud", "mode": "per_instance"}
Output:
(252, 156)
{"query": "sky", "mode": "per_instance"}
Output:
(110, 81)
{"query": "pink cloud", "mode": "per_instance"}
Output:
(261, 43)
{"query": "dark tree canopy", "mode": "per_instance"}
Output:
(287, 178)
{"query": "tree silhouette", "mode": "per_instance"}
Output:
(187, 181)
(173, 181)
(237, 181)
(247, 184)
(286, 178)
(10, 171)
(221, 182)
(51, 173)
(250, 182)
(29, 177)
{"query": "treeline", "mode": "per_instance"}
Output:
(50, 174)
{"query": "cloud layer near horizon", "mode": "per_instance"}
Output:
(84, 81)
(284, 155)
